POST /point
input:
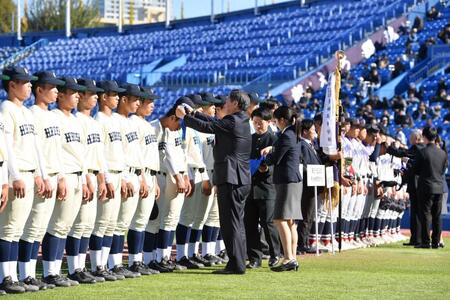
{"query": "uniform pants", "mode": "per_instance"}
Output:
(213, 215)
(39, 217)
(145, 205)
(15, 215)
(66, 211)
(128, 207)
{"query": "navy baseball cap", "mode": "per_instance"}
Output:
(131, 89)
(254, 97)
(72, 83)
(209, 99)
(90, 85)
(110, 86)
(149, 93)
(47, 77)
(17, 73)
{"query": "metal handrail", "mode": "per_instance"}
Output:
(25, 52)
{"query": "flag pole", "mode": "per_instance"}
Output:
(339, 113)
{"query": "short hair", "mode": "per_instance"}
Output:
(306, 124)
(5, 84)
(430, 133)
(264, 114)
(241, 97)
(318, 118)
(267, 105)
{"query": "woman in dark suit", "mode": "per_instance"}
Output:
(284, 155)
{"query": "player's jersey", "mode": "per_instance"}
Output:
(19, 124)
(194, 149)
(148, 143)
(208, 141)
(73, 145)
(92, 130)
(171, 149)
(111, 135)
(130, 141)
(3, 154)
(385, 168)
(47, 126)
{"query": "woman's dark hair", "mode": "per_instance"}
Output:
(306, 125)
(287, 113)
(264, 114)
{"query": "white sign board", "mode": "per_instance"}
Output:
(315, 175)
(330, 177)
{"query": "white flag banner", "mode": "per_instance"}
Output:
(328, 129)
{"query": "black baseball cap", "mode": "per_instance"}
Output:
(131, 89)
(209, 99)
(355, 123)
(17, 73)
(47, 77)
(91, 85)
(110, 86)
(72, 83)
(186, 101)
(254, 97)
(149, 93)
(196, 99)
(372, 129)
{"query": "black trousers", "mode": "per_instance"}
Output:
(231, 200)
(304, 226)
(260, 211)
(431, 207)
(415, 223)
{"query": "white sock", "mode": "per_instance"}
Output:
(204, 248)
(111, 261)
(220, 245)
(25, 270)
(105, 255)
(181, 251)
(96, 259)
(159, 254)
(50, 268)
(118, 259)
(4, 270)
(82, 260)
(168, 252)
(72, 263)
(210, 248)
(191, 249)
(133, 258)
(58, 266)
(149, 257)
(33, 263)
(13, 270)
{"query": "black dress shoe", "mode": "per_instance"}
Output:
(409, 244)
(253, 265)
(228, 272)
(290, 266)
(422, 246)
(273, 261)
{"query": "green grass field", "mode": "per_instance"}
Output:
(385, 272)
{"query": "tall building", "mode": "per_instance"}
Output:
(134, 11)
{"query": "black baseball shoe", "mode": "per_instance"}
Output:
(121, 270)
(11, 287)
(35, 282)
(139, 267)
(81, 277)
(166, 263)
(154, 265)
(223, 255)
(101, 272)
(2, 293)
(200, 261)
(56, 280)
(214, 260)
(186, 262)
(175, 266)
(89, 274)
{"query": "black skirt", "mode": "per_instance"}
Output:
(288, 201)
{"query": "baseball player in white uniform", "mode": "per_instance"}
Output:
(25, 166)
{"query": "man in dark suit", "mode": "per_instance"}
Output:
(430, 165)
(260, 205)
(309, 156)
(415, 224)
(231, 171)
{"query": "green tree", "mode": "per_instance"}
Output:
(51, 15)
(7, 10)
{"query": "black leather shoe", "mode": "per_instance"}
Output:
(228, 272)
(273, 261)
(409, 244)
(253, 265)
(290, 266)
(422, 246)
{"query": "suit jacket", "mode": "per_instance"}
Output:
(308, 156)
(430, 164)
(232, 146)
(286, 158)
(411, 176)
(262, 183)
